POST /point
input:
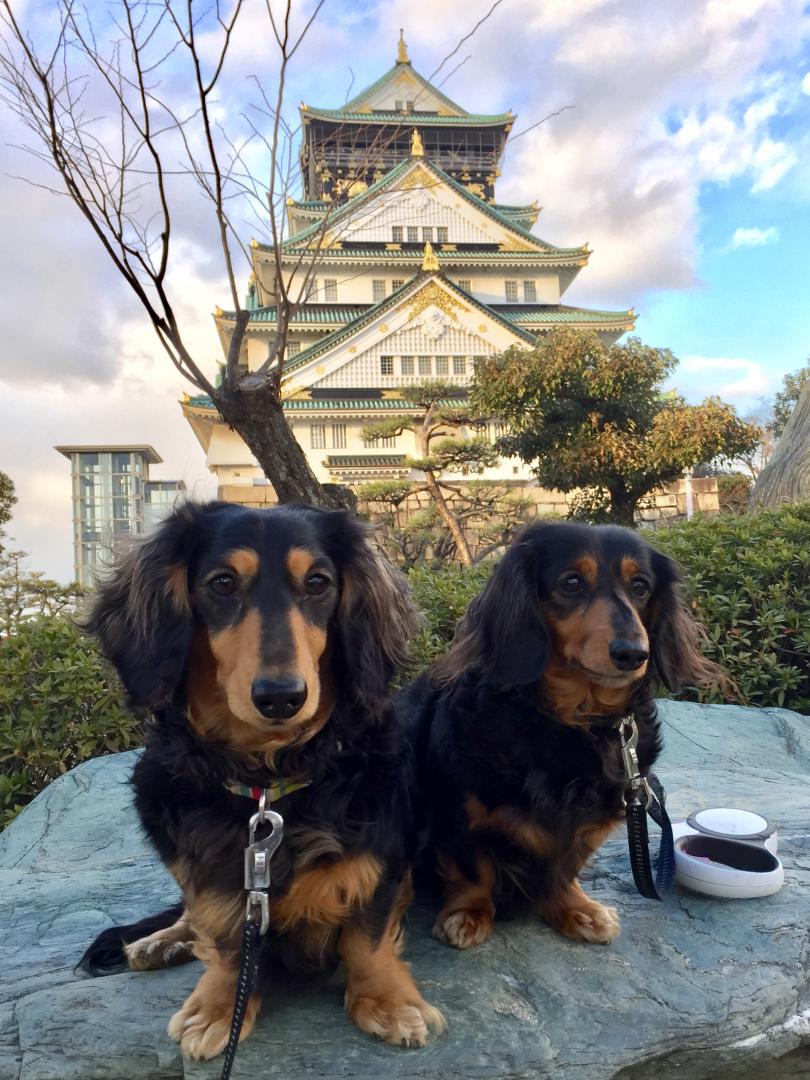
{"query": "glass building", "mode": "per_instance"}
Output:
(113, 499)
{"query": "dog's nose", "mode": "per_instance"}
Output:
(278, 699)
(627, 655)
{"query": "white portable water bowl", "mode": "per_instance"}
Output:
(727, 852)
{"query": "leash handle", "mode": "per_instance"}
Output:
(642, 797)
(639, 844)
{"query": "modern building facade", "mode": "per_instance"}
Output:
(113, 499)
(410, 270)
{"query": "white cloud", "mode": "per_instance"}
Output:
(734, 379)
(754, 237)
(806, 84)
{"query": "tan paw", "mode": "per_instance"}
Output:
(463, 929)
(402, 1023)
(595, 923)
(151, 953)
(202, 1029)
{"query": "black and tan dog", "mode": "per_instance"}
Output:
(517, 723)
(264, 642)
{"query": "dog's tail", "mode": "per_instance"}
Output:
(106, 955)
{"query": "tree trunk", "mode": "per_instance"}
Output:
(623, 507)
(449, 518)
(257, 416)
(786, 477)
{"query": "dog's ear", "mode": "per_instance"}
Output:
(503, 630)
(675, 635)
(376, 619)
(141, 611)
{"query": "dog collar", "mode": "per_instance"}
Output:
(276, 791)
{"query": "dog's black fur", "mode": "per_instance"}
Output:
(180, 632)
(518, 740)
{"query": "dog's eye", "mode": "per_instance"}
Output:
(572, 583)
(317, 584)
(223, 584)
(639, 587)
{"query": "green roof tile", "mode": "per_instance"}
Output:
(414, 119)
(203, 401)
(345, 461)
(555, 314)
(309, 314)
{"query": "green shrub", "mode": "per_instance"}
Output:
(59, 705)
(733, 491)
(442, 595)
(748, 579)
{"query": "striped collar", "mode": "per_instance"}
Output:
(276, 791)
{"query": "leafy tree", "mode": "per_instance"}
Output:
(27, 595)
(440, 450)
(7, 500)
(785, 400)
(595, 418)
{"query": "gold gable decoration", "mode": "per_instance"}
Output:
(417, 149)
(433, 295)
(430, 264)
(418, 177)
(512, 243)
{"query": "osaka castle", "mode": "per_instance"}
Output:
(413, 269)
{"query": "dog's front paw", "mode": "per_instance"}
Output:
(465, 928)
(151, 953)
(400, 1022)
(202, 1026)
(593, 922)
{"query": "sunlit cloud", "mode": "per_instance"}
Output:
(754, 237)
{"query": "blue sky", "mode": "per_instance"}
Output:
(683, 158)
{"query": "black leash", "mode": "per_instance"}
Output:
(258, 854)
(246, 984)
(644, 796)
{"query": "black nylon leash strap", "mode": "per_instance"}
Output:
(644, 796)
(639, 845)
(245, 985)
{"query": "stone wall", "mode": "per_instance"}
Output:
(670, 501)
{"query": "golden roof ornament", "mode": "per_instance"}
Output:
(430, 264)
(402, 49)
(417, 149)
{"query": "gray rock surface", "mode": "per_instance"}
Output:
(694, 987)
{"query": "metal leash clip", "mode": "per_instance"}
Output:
(636, 783)
(258, 854)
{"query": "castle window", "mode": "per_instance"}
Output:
(339, 436)
(530, 292)
(330, 289)
(459, 365)
(397, 283)
(465, 284)
(378, 290)
(406, 365)
(442, 365)
(441, 234)
(293, 348)
(413, 234)
(427, 234)
(317, 436)
(396, 234)
(386, 365)
(425, 365)
(511, 291)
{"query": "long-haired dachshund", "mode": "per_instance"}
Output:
(264, 643)
(516, 724)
